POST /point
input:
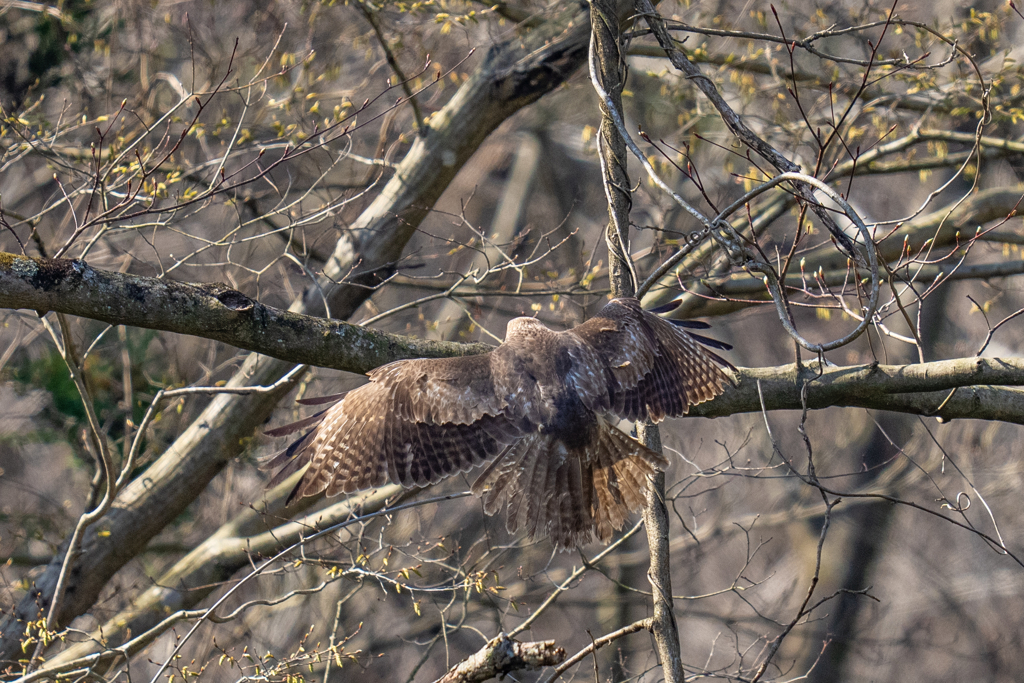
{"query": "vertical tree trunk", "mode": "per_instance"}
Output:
(609, 70)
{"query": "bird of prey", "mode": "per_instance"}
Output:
(541, 409)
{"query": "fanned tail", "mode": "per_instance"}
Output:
(571, 495)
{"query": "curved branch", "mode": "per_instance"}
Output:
(598, 643)
(778, 296)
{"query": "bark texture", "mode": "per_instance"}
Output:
(213, 311)
(502, 656)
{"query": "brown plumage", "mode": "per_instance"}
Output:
(542, 406)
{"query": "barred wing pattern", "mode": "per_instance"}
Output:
(415, 423)
(540, 407)
(655, 369)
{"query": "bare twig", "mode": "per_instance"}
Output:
(598, 643)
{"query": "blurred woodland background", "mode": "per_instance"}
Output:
(430, 170)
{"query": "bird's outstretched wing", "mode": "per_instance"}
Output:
(415, 423)
(654, 369)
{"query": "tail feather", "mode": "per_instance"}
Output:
(555, 494)
(538, 475)
(574, 522)
(498, 479)
(572, 496)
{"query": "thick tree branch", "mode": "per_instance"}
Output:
(213, 311)
(981, 389)
(502, 656)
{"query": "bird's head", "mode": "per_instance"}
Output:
(524, 327)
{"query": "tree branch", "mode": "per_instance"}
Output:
(502, 656)
(598, 643)
(213, 311)
(981, 389)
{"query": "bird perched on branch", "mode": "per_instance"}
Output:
(541, 407)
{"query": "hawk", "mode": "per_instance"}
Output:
(541, 409)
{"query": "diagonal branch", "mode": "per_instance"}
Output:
(213, 311)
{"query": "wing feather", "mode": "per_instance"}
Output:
(441, 390)
(655, 368)
(415, 423)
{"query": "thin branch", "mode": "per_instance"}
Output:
(371, 18)
(598, 643)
